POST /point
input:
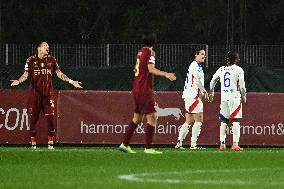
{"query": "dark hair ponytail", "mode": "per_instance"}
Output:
(230, 58)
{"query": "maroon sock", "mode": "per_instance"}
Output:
(50, 126)
(33, 119)
(129, 132)
(50, 138)
(149, 133)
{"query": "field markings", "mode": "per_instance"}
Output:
(143, 177)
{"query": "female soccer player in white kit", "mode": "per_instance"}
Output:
(233, 93)
(192, 94)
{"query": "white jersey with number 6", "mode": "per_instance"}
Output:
(231, 79)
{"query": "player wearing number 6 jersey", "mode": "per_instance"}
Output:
(143, 94)
(233, 93)
(192, 94)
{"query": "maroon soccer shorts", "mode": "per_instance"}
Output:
(144, 103)
(38, 102)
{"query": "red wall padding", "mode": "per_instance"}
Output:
(101, 117)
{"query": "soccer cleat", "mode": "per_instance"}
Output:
(152, 151)
(222, 147)
(196, 148)
(33, 145)
(126, 149)
(237, 148)
(50, 145)
(179, 146)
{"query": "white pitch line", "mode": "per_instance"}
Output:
(139, 177)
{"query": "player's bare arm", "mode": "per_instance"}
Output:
(20, 80)
(213, 83)
(63, 77)
(157, 72)
(202, 88)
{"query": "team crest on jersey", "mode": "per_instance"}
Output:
(49, 65)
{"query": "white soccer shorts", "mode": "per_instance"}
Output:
(194, 105)
(230, 109)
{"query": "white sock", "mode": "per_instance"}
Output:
(196, 128)
(183, 131)
(223, 128)
(236, 133)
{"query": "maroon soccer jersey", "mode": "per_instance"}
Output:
(40, 71)
(144, 80)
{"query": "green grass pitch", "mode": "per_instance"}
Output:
(107, 168)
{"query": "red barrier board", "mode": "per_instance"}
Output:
(14, 119)
(91, 117)
(101, 117)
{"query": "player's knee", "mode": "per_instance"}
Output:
(198, 117)
(151, 119)
(189, 119)
(136, 120)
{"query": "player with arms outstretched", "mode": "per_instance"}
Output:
(143, 93)
(192, 94)
(233, 95)
(40, 91)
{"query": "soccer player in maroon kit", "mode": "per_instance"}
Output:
(143, 93)
(40, 92)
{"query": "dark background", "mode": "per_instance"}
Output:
(122, 21)
(213, 22)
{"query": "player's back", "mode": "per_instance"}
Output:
(143, 81)
(229, 79)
